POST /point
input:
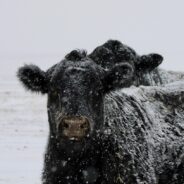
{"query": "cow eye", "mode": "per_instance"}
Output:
(54, 93)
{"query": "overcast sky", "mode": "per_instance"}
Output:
(51, 28)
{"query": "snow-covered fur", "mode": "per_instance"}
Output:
(76, 87)
(33, 78)
(136, 134)
(145, 67)
(145, 126)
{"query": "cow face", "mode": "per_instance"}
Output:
(75, 99)
(113, 52)
(76, 88)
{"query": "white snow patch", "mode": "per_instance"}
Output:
(23, 130)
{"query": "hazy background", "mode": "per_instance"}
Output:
(45, 30)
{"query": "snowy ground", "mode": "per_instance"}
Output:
(23, 128)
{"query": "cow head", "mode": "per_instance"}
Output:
(114, 52)
(76, 88)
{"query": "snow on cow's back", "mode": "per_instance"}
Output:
(144, 121)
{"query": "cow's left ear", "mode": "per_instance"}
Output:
(148, 62)
(33, 78)
(117, 77)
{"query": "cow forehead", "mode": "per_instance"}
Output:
(80, 75)
(87, 63)
(78, 68)
(68, 72)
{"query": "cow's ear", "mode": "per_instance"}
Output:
(148, 62)
(33, 78)
(119, 76)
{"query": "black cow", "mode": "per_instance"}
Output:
(76, 89)
(145, 67)
(99, 135)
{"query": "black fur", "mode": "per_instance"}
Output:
(33, 78)
(77, 87)
(114, 52)
(149, 62)
(120, 75)
(76, 55)
(36, 80)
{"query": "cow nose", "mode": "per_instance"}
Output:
(74, 128)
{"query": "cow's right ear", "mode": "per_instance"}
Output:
(148, 62)
(33, 78)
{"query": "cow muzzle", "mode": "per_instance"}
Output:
(74, 128)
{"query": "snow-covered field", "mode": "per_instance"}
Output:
(23, 128)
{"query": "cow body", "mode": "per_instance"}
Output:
(146, 125)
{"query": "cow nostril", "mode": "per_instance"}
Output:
(84, 125)
(65, 125)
